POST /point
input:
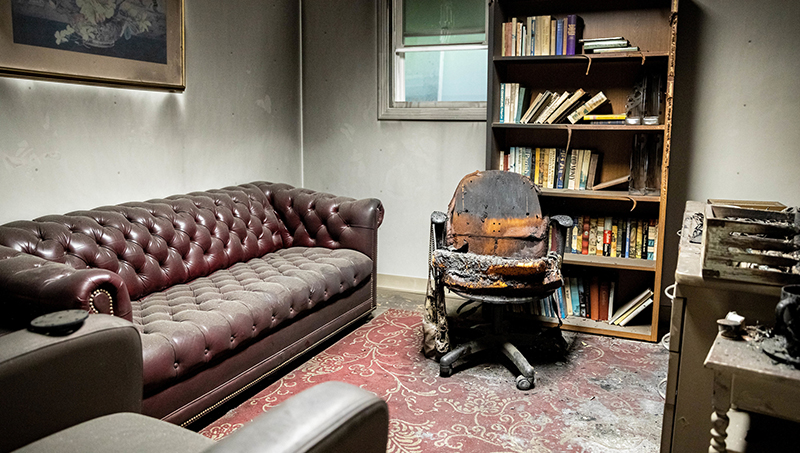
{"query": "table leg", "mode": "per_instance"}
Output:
(721, 402)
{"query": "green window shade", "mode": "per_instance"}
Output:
(430, 22)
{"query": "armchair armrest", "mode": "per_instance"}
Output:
(560, 223)
(332, 416)
(438, 219)
(50, 383)
(33, 286)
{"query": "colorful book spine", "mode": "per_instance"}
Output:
(572, 33)
(559, 36)
(607, 236)
(561, 168)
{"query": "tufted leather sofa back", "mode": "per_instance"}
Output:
(155, 244)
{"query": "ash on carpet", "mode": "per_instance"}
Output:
(602, 398)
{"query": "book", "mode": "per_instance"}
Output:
(585, 40)
(567, 297)
(561, 166)
(612, 290)
(523, 99)
(572, 34)
(639, 299)
(614, 239)
(573, 164)
(599, 236)
(604, 293)
(617, 49)
(586, 235)
(607, 236)
(651, 239)
(591, 175)
(582, 297)
(577, 235)
(628, 317)
(513, 101)
(552, 36)
(645, 231)
(559, 36)
(612, 183)
(537, 179)
(605, 117)
(587, 157)
(530, 23)
(594, 297)
(551, 167)
(593, 236)
(587, 107)
(573, 290)
(620, 238)
(605, 44)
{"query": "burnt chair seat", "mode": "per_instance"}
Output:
(494, 246)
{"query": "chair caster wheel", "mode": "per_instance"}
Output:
(445, 371)
(524, 383)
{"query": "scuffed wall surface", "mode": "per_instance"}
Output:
(65, 147)
(412, 166)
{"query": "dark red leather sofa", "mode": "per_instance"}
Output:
(224, 286)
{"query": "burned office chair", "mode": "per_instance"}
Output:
(494, 247)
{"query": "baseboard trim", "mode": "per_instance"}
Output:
(402, 283)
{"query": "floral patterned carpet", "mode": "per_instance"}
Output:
(602, 398)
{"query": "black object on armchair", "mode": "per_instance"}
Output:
(493, 246)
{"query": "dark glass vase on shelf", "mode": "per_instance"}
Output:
(646, 164)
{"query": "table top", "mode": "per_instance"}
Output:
(745, 356)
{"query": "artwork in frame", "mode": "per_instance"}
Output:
(111, 42)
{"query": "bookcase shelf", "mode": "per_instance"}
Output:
(650, 25)
(585, 59)
(610, 262)
(618, 195)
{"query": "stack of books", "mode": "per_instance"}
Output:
(607, 45)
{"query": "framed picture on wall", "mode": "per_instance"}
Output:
(135, 43)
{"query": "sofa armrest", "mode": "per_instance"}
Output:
(33, 286)
(50, 383)
(332, 416)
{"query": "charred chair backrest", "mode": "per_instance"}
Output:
(495, 239)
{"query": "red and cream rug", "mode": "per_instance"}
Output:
(602, 398)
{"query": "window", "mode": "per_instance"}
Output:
(432, 60)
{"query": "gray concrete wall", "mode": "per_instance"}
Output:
(734, 126)
(737, 91)
(412, 166)
(65, 147)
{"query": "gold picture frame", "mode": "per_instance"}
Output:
(129, 43)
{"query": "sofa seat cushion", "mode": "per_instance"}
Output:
(188, 325)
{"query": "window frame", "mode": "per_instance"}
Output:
(389, 33)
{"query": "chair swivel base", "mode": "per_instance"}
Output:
(525, 380)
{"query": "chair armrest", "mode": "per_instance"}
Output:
(329, 417)
(560, 223)
(438, 220)
(50, 383)
(33, 286)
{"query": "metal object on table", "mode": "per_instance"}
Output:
(784, 346)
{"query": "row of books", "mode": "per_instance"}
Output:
(592, 298)
(614, 237)
(548, 107)
(553, 168)
(540, 35)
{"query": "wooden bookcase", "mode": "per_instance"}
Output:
(651, 25)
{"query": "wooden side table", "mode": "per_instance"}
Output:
(748, 380)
